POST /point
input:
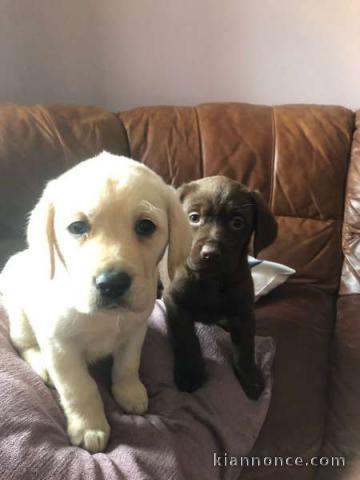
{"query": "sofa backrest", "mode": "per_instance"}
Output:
(297, 156)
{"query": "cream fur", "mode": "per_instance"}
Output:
(49, 294)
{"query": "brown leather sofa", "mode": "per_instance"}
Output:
(306, 162)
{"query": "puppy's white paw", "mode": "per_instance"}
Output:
(34, 358)
(92, 438)
(131, 396)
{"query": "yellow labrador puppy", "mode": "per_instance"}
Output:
(86, 285)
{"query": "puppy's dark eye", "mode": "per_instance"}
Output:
(237, 223)
(79, 228)
(145, 227)
(194, 218)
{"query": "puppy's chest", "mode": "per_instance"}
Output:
(209, 301)
(97, 336)
(99, 343)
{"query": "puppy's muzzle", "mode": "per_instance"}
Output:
(210, 253)
(205, 256)
(112, 285)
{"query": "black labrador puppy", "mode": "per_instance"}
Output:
(216, 283)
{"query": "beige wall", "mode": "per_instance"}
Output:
(123, 53)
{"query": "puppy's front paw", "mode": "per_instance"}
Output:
(92, 438)
(252, 381)
(189, 378)
(131, 396)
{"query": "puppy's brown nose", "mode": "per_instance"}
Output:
(209, 253)
(112, 283)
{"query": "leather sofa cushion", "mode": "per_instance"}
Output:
(300, 320)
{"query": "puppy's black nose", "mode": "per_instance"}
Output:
(113, 284)
(209, 253)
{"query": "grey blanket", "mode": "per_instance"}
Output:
(179, 438)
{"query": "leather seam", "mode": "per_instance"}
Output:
(122, 125)
(202, 166)
(273, 150)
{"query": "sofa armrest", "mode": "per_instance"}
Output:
(342, 436)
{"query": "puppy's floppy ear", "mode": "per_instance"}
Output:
(179, 233)
(185, 189)
(40, 232)
(265, 224)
